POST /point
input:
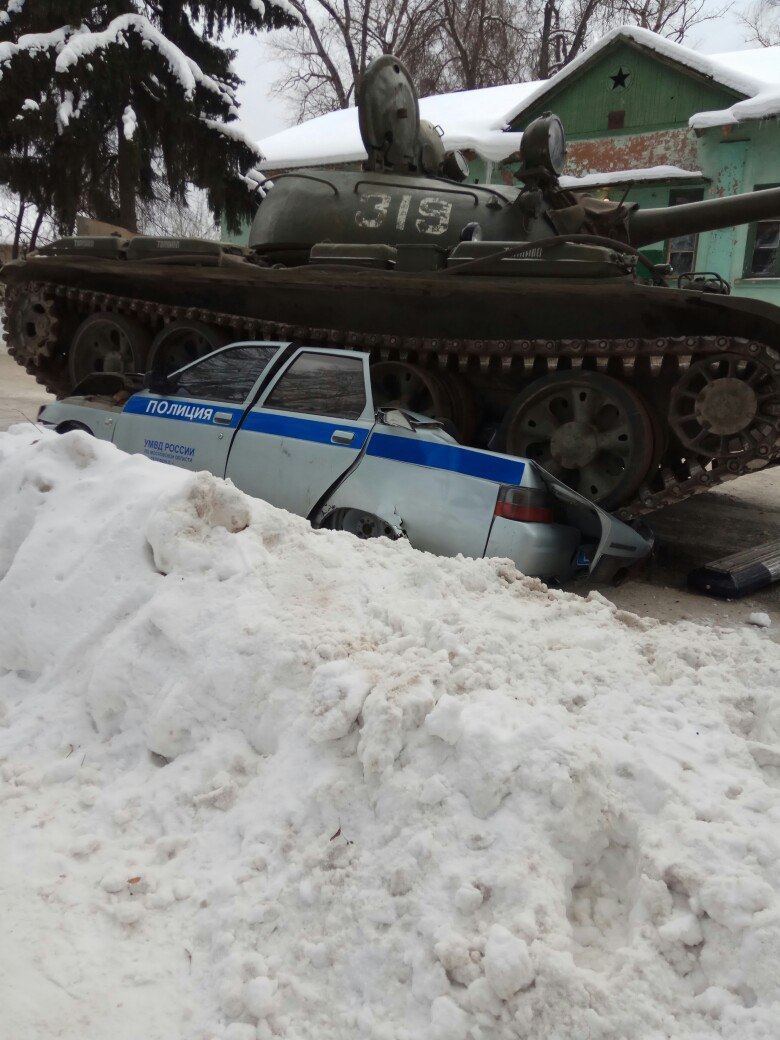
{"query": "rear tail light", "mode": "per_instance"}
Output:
(531, 505)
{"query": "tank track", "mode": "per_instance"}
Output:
(688, 477)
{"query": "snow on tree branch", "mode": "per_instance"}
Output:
(234, 133)
(36, 43)
(12, 7)
(260, 6)
(83, 44)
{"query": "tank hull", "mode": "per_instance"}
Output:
(418, 306)
(492, 336)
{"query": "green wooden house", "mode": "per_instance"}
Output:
(661, 124)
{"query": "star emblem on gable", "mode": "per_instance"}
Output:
(620, 79)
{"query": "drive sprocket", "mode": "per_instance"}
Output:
(726, 404)
(31, 324)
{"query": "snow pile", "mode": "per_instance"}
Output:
(262, 781)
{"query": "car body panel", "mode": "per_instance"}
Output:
(181, 431)
(97, 414)
(402, 468)
(291, 459)
(400, 472)
(549, 549)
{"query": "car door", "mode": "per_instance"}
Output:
(192, 425)
(306, 431)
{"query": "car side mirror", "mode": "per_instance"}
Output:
(157, 382)
(395, 417)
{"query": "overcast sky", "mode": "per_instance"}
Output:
(263, 115)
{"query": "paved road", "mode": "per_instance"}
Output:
(744, 513)
(20, 395)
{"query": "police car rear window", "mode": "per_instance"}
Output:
(227, 376)
(321, 384)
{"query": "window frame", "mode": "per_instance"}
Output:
(684, 195)
(750, 246)
(280, 345)
(368, 413)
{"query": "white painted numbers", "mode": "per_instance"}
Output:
(434, 218)
(373, 210)
(433, 212)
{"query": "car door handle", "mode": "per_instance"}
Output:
(342, 437)
(223, 418)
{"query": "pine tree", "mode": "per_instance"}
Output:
(101, 103)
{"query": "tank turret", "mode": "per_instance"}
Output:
(515, 312)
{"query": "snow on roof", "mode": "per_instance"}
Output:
(266, 780)
(470, 119)
(477, 119)
(641, 176)
(762, 65)
(755, 73)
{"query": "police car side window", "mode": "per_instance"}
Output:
(227, 376)
(321, 384)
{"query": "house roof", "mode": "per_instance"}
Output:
(754, 73)
(470, 119)
(478, 119)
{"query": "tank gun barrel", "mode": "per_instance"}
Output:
(653, 225)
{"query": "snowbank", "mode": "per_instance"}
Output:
(262, 781)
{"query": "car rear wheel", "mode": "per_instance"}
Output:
(360, 523)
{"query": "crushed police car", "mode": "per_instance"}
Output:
(297, 427)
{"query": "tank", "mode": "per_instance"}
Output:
(525, 317)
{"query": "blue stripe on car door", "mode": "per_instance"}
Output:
(316, 430)
(434, 455)
(445, 456)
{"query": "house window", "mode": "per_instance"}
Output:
(762, 259)
(681, 252)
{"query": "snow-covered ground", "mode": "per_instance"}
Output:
(263, 781)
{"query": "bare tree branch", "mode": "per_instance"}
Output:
(455, 44)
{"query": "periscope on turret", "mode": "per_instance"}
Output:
(525, 316)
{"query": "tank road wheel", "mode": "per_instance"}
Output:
(397, 384)
(465, 411)
(182, 342)
(587, 429)
(107, 342)
(726, 404)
